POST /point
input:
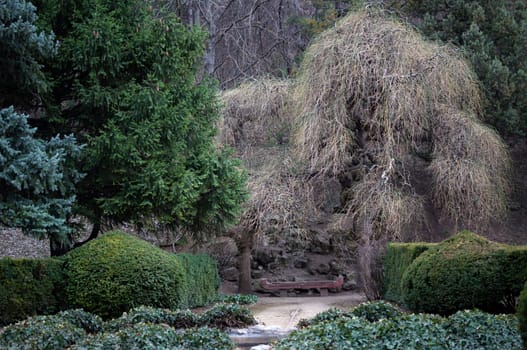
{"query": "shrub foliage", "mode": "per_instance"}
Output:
(30, 287)
(469, 330)
(463, 272)
(116, 272)
(396, 259)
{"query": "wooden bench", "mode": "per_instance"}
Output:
(321, 286)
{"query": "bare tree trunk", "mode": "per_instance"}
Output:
(244, 281)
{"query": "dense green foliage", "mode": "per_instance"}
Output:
(240, 299)
(203, 280)
(146, 314)
(116, 272)
(395, 260)
(143, 328)
(227, 316)
(463, 272)
(30, 287)
(125, 81)
(22, 47)
(41, 333)
(37, 179)
(522, 315)
(468, 330)
(493, 35)
(370, 311)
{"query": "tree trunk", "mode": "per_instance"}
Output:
(245, 245)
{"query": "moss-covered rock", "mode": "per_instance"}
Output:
(117, 272)
(465, 271)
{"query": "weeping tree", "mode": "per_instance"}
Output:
(372, 97)
(125, 85)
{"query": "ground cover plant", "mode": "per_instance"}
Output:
(144, 328)
(468, 330)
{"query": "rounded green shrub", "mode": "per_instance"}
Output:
(227, 316)
(116, 272)
(464, 272)
(30, 287)
(41, 333)
(522, 315)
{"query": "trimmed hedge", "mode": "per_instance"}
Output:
(465, 271)
(396, 259)
(522, 315)
(116, 272)
(203, 280)
(30, 287)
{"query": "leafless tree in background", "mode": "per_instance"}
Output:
(247, 38)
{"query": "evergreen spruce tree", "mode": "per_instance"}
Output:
(126, 85)
(37, 177)
(494, 37)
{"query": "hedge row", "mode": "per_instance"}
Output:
(465, 271)
(30, 287)
(203, 280)
(106, 276)
(396, 259)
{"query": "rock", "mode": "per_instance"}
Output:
(349, 285)
(266, 256)
(326, 193)
(321, 242)
(257, 274)
(300, 263)
(261, 347)
(231, 274)
(323, 269)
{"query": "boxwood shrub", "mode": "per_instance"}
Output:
(30, 287)
(110, 275)
(464, 272)
(203, 280)
(522, 315)
(396, 259)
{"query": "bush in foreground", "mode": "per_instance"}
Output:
(41, 333)
(146, 314)
(467, 330)
(227, 316)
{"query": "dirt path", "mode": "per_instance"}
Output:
(287, 311)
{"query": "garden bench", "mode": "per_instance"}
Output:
(321, 286)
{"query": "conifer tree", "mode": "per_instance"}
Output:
(126, 84)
